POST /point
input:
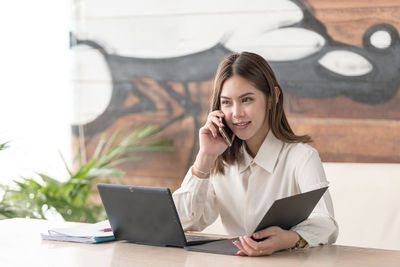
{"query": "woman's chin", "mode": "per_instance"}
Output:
(242, 137)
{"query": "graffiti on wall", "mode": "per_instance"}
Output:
(332, 69)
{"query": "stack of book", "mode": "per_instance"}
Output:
(90, 233)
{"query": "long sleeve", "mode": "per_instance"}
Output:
(321, 227)
(196, 203)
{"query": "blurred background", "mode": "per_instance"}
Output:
(74, 71)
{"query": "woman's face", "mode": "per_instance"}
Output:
(245, 109)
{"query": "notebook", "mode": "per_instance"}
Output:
(145, 215)
(285, 213)
(89, 233)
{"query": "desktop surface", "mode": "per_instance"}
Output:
(21, 245)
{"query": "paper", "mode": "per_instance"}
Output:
(91, 233)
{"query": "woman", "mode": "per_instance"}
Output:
(266, 161)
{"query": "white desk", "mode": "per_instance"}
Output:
(21, 245)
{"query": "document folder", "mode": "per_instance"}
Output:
(285, 213)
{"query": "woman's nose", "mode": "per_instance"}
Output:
(237, 111)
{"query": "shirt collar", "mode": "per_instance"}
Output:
(266, 156)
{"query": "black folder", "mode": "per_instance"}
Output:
(285, 213)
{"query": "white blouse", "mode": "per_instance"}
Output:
(247, 190)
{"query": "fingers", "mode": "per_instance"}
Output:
(240, 253)
(214, 117)
(251, 243)
(242, 250)
(274, 237)
(249, 247)
(265, 233)
(246, 248)
(213, 122)
(209, 126)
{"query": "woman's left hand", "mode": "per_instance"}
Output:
(277, 239)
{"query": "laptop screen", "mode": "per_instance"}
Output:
(144, 215)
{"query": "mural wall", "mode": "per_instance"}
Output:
(338, 63)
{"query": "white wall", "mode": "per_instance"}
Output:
(35, 102)
(366, 203)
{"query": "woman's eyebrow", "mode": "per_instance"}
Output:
(243, 95)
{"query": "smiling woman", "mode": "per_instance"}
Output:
(245, 87)
(267, 161)
(245, 113)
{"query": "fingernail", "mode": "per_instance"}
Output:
(237, 254)
(215, 137)
(233, 241)
(221, 125)
(255, 235)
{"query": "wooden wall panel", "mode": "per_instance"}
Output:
(347, 21)
(352, 140)
(345, 130)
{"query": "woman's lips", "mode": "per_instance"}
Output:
(241, 125)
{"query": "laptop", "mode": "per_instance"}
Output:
(145, 215)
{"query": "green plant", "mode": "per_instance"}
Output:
(3, 145)
(32, 198)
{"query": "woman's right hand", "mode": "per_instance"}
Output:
(211, 143)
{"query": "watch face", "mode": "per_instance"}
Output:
(302, 243)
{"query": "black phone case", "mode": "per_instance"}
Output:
(226, 132)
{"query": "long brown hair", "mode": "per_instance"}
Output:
(256, 70)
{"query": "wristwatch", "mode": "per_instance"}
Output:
(301, 243)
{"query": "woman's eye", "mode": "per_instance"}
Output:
(247, 99)
(225, 102)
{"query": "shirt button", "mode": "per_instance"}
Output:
(252, 166)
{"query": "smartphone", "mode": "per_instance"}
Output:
(225, 132)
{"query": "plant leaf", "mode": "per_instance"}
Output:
(4, 145)
(65, 163)
(99, 146)
(110, 141)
